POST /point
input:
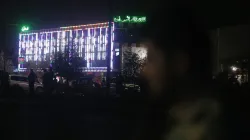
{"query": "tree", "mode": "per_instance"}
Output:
(132, 65)
(60, 64)
(68, 67)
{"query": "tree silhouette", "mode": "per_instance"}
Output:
(67, 67)
(132, 65)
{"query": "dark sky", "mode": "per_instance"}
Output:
(42, 12)
(66, 11)
(56, 13)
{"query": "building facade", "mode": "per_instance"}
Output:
(39, 49)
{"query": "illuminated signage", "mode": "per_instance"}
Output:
(21, 60)
(130, 19)
(24, 28)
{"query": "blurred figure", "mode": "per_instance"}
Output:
(48, 81)
(178, 71)
(119, 84)
(52, 79)
(103, 82)
(45, 80)
(32, 79)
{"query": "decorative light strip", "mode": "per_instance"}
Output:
(19, 48)
(86, 25)
(112, 45)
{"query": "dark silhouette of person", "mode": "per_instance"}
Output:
(45, 80)
(48, 82)
(103, 82)
(32, 79)
(51, 79)
(184, 105)
(119, 86)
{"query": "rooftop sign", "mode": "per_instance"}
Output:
(130, 19)
(24, 28)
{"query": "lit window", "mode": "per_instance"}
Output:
(98, 56)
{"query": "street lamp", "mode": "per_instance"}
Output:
(234, 68)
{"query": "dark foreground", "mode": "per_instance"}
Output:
(94, 117)
(88, 118)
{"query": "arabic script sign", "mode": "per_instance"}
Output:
(24, 28)
(131, 19)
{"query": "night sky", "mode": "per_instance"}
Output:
(56, 13)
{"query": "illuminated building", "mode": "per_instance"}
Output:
(88, 42)
(39, 49)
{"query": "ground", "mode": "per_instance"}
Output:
(69, 118)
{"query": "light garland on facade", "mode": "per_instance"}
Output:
(87, 41)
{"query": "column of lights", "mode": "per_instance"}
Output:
(93, 45)
(70, 43)
(53, 43)
(63, 41)
(112, 45)
(88, 48)
(40, 48)
(32, 47)
(43, 46)
(23, 52)
(36, 47)
(81, 44)
(19, 49)
(26, 46)
(50, 46)
(104, 45)
(106, 42)
(46, 46)
(76, 43)
(98, 45)
(57, 42)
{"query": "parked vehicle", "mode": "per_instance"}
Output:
(23, 82)
(84, 85)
